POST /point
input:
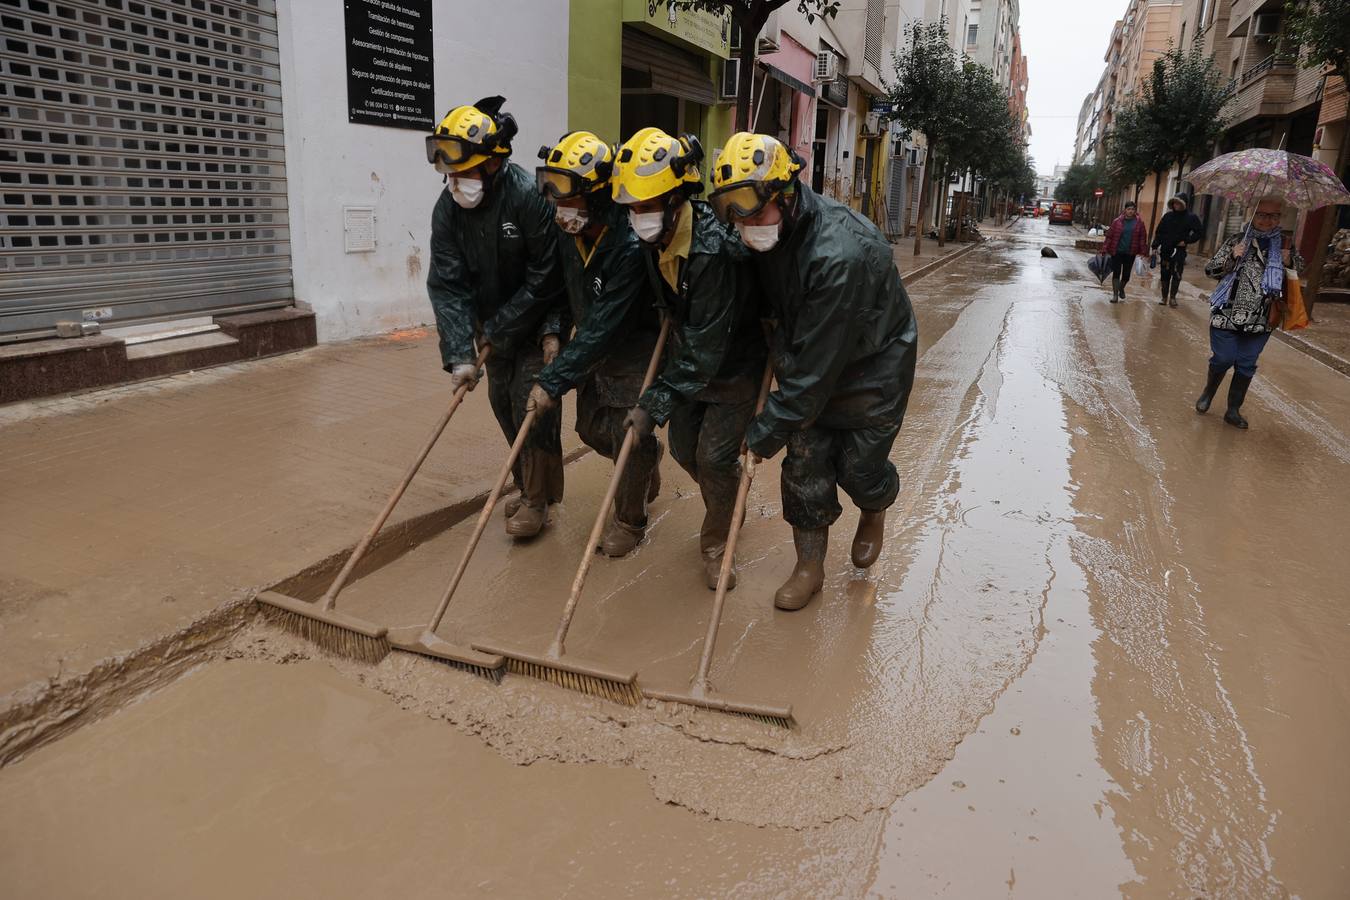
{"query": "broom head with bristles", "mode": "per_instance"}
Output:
(419, 640)
(331, 631)
(568, 672)
(776, 716)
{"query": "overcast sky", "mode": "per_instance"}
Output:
(1064, 42)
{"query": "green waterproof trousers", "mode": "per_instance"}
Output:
(819, 459)
(602, 404)
(705, 439)
(538, 470)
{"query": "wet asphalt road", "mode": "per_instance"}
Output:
(1107, 650)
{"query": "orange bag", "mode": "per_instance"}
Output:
(1291, 308)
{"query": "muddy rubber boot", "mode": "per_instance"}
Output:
(1172, 297)
(1115, 288)
(620, 539)
(510, 506)
(868, 538)
(719, 501)
(1237, 393)
(1211, 388)
(808, 577)
(533, 512)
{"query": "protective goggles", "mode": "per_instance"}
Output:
(452, 151)
(560, 184)
(742, 200)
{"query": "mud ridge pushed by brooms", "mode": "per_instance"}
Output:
(46, 711)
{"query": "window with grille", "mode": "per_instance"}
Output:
(141, 160)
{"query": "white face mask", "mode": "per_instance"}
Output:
(570, 220)
(467, 192)
(760, 238)
(647, 226)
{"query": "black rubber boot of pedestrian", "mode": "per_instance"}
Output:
(1172, 297)
(1115, 288)
(1211, 388)
(1237, 393)
(1166, 286)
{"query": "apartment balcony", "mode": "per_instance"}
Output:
(1273, 88)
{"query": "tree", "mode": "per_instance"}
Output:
(751, 16)
(983, 127)
(1132, 147)
(1321, 29)
(926, 97)
(1184, 98)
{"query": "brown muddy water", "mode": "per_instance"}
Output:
(1106, 651)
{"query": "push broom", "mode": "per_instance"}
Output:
(700, 694)
(554, 664)
(320, 622)
(423, 640)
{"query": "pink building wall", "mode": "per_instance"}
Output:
(800, 63)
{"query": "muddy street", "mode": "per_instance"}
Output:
(1106, 650)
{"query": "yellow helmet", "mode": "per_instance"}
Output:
(751, 170)
(579, 164)
(470, 135)
(652, 163)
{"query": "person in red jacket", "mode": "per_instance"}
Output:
(1125, 239)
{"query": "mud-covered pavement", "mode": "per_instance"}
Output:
(1107, 648)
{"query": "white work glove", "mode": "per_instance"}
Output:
(464, 373)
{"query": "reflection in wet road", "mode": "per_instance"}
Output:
(1106, 650)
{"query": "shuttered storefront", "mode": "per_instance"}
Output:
(652, 65)
(141, 161)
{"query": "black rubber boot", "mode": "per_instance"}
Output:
(1172, 297)
(1211, 388)
(1115, 288)
(1166, 286)
(1237, 392)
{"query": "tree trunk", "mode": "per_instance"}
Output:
(1319, 259)
(942, 207)
(1157, 186)
(924, 182)
(751, 24)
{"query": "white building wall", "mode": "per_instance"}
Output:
(517, 49)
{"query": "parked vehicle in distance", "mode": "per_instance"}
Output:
(1061, 213)
(1030, 210)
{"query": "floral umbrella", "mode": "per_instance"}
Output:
(1248, 175)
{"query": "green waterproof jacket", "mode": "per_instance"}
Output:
(844, 346)
(494, 269)
(611, 300)
(717, 339)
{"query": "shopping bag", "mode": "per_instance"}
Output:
(1140, 268)
(1100, 265)
(1290, 313)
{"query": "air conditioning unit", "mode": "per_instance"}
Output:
(731, 76)
(827, 66)
(1265, 25)
(871, 125)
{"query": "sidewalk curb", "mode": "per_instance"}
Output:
(933, 265)
(1325, 357)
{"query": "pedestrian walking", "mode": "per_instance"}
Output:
(1251, 268)
(1125, 239)
(612, 304)
(493, 278)
(843, 352)
(707, 388)
(1177, 228)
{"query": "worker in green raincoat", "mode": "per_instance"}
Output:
(616, 320)
(706, 390)
(494, 278)
(843, 351)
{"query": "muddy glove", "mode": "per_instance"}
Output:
(551, 345)
(540, 399)
(464, 373)
(640, 421)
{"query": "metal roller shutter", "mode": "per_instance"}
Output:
(663, 69)
(141, 161)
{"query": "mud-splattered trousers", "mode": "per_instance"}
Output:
(855, 459)
(705, 438)
(539, 468)
(602, 403)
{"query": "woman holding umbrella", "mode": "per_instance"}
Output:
(1251, 265)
